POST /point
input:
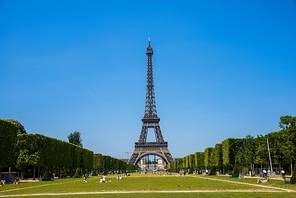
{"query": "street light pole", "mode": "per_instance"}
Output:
(127, 154)
(269, 156)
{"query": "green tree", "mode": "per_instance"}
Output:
(230, 148)
(75, 138)
(246, 154)
(288, 134)
(199, 161)
(8, 137)
(218, 157)
(208, 160)
(28, 151)
(22, 161)
(25, 158)
(287, 122)
(98, 162)
(261, 153)
(276, 149)
(191, 162)
(20, 128)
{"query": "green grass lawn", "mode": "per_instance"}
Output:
(152, 185)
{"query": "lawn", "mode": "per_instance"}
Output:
(152, 185)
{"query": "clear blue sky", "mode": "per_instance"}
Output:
(221, 69)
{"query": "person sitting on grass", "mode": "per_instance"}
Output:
(2, 182)
(16, 181)
(103, 179)
(262, 180)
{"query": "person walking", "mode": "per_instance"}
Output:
(283, 174)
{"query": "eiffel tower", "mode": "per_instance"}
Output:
(150, 120)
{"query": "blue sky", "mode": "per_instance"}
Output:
(221, 69)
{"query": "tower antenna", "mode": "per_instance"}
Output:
(149, 40)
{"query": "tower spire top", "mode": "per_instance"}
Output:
(149, 49)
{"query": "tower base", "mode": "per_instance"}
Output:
(150, 148)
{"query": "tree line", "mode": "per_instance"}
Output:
(42, 156)
(246, 153)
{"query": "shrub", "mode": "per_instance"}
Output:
(47, 176)
(235, 172)
(77, 173)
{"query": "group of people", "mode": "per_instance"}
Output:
(266, 175)
(15, 181)
(104, 180)
(182, 173)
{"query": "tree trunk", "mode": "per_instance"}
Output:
(34, 172)
(22, 174)
(291, 164)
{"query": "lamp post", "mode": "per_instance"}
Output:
(269, 156)
(127, 154)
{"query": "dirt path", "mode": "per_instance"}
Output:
(257, 185)
(144, 192)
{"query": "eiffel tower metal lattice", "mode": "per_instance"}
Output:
(150, 120)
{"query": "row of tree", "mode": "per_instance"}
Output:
(8, 137)
(277, 149)
(104, 164)
(52, 154)
(46, 155)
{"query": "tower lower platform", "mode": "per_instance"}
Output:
(151, 148)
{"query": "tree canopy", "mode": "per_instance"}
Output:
(75, 138)
(8, 136)
(20, 128)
